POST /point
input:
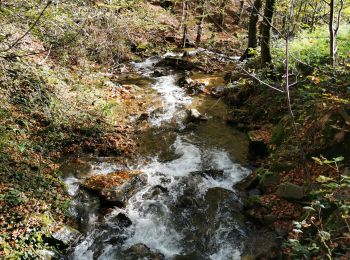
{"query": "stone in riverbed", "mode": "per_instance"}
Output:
(218, 91)
(116, 188)
(141, 251)
(195, 116)
(157, 74)
(143, 117)
(289, 190)
(66, 235)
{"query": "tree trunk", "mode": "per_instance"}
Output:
(313, 17)
(185, 24)
(332, 33)
(200, 23)
(252, 30)
(240, 12)
(222, 14)
(266, 32)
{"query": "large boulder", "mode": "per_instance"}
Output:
(289, 190)
(115, 189)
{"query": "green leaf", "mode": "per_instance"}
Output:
(339, 159)
(323, 179)
(317, 160)
(309, 208)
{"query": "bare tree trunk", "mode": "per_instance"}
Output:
(252, 30)
(333, 29)
(222, 14)
(313, 17)
(297, 17)
(240, 12)
(266, 32)
(185, 24)
(332, 33)
(200, 22)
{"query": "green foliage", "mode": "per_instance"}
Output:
(13, 197)
(313, 47)
(326, 219)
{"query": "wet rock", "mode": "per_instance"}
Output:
(155, 192)
(158, 73)
(116, 188)
(122, 220)
(185, 201)
(143, 117)
(141, 251)
(66, 235)
(210, 172)
(214, 173)
(218, 91)
(195, 116)
(184, 81)
(220, 197)
(289, 190)
(250, 182)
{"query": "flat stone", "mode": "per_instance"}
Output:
(289, 190)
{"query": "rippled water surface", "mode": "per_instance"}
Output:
(188, 209)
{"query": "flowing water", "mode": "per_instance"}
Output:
(188, 209)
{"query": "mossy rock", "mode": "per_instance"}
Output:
(142, 47)
(266, 178)
(250, 182)
(251, 201)
(291, 191)
(278, 134)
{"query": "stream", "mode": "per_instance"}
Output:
(188, 207)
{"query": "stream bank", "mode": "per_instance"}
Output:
(298, 187)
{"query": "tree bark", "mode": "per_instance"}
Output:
(252, 30)
(222, 14)
(200, 23)
(239, 16)
(185, 24)
(266, 32)
(332, 33)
